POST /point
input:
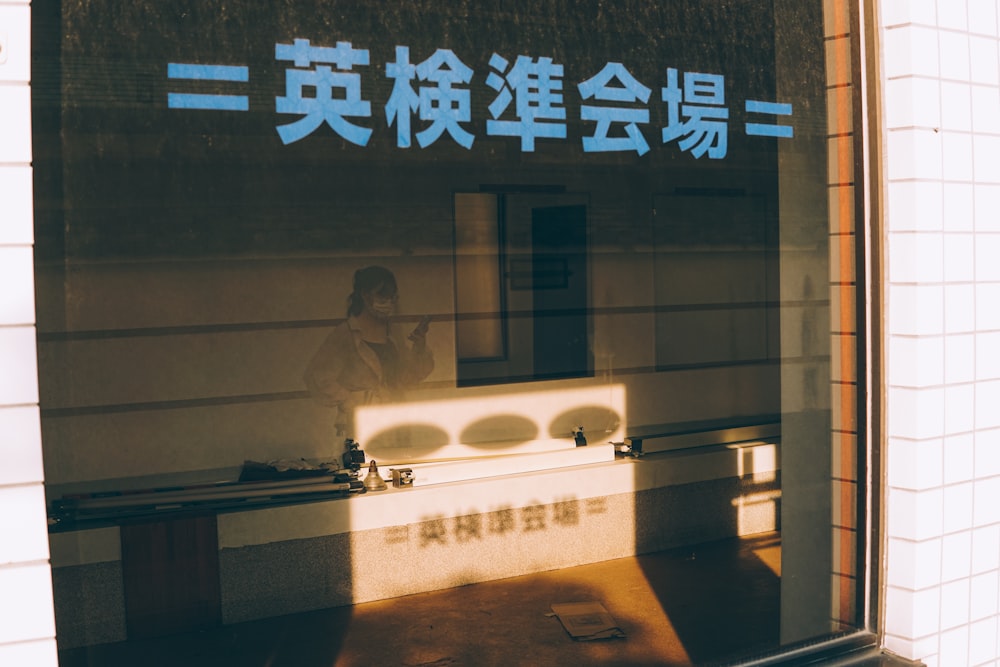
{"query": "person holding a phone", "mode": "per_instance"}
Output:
(365, 359)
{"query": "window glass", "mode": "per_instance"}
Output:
(463, 230)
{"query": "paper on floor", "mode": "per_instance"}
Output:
(585, 621)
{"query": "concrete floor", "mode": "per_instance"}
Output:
(692, 606)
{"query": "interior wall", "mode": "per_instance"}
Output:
(144, 389)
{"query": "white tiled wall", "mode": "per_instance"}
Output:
(27, 626)
(941, 122)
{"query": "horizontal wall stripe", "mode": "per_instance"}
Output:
(101, 334)
(172, 405)
(198, 329)
(192, 403)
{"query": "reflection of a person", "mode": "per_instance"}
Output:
(364, 359)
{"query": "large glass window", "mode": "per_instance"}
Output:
(466, 234)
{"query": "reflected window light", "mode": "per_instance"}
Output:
(394, 431)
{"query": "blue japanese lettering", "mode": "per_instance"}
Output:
(534, 86)
(404, 100)
(323, 107)
(771, 108)
(442, 104)
(627, 90)
(237, 73)
(322, 86)
(703, 129)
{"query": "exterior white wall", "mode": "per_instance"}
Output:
(941, 142)
(27, 625)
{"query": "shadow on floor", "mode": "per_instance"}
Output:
(722, 599)
(690, 606)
